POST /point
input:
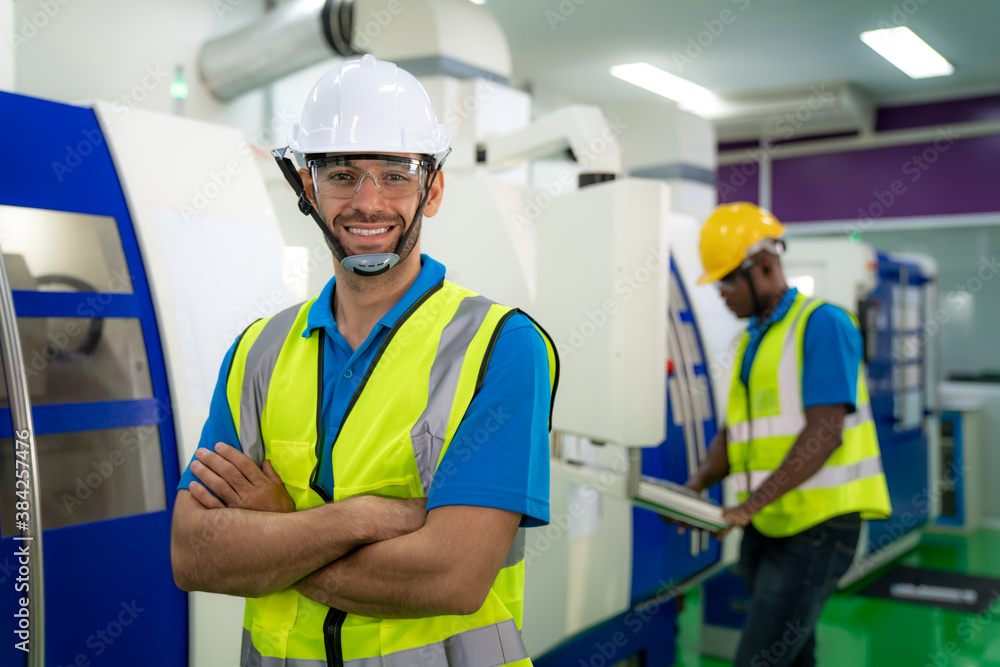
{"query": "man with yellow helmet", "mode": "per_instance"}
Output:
(799, 439)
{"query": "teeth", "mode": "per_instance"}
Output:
(367, 232)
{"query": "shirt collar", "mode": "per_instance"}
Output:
(321, 311)
(755, 329)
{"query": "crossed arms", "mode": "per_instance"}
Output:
(380, 557)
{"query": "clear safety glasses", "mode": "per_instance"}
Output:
(730, 281)
(342, 176)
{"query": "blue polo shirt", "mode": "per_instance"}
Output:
(499, 456)
(830, 357)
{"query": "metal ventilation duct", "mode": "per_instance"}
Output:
(292, 36)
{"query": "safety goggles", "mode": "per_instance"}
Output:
(341, 176)
(729, 282)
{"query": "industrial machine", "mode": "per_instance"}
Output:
(135, 248)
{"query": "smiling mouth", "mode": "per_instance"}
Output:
(368, 232)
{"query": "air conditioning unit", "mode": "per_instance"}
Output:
(790, 114)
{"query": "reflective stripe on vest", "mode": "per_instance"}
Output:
(825, 478)
(276, 416)
(784, 425)
(444, 376)
(765, 419)
(497, 644)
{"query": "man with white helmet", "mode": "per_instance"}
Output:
(373, 455)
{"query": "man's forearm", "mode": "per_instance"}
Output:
(811, 450)
(715, 467)
(445, 568)
(251, 553)
(367, 582)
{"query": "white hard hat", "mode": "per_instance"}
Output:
(369, 106)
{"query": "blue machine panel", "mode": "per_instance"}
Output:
(661, 557)
(904, 447)
(109, 591)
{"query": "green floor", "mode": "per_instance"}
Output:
(858, 631)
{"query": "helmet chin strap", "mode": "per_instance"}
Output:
(371, 264)
(757, 310)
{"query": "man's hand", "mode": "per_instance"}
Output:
(738, 517)
(237, 482)
(694, 484)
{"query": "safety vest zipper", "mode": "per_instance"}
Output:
(331, 637)
(320, 450)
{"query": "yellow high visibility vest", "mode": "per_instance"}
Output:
(398, 424)
(765, 418)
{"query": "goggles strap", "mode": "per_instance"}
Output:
(291, 175)
(420, 208)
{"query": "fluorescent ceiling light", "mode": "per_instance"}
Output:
(478, 2)
(905, 50)
(689, 95)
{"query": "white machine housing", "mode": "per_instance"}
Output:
(212, 251)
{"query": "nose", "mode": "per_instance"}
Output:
(368, 195)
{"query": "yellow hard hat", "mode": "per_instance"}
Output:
(729, 233)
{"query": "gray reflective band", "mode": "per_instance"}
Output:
(428, 432)
(516, 552)
(826, 478)
(261, 358)
(489, 646)
(791, 418)
(859, 416)
(251, 657)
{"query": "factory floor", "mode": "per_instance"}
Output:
(859, 631)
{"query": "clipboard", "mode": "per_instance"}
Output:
(680, 503)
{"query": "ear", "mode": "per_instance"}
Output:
(307, 183)
(434, 199)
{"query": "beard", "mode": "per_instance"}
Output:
(396, 220)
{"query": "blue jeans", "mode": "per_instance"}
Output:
(790, 579)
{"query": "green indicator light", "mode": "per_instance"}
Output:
(179, 88)
(856, 237)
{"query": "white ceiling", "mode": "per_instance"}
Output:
(768, 45)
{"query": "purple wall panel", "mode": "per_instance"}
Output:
(938, 113)
(941, 178)
(738, 182)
